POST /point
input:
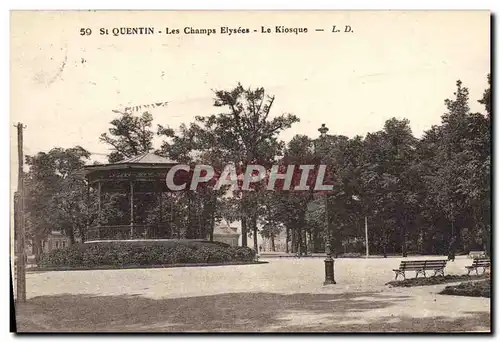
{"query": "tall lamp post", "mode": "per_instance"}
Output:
(329, 262)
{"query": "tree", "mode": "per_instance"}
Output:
(451, 157)
(292, 208)
(344, 155)
(387, 186)
(269, 217)
(486, 99)
(129, 136)
(244, 134)
(189, 145)
(456, 168)
(315, 220)
(55, 194)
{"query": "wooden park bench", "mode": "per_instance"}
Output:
(483, 263)
(420, 267)
(477, 254)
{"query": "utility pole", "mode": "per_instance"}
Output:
(19, 230)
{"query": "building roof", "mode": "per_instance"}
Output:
(146, 158)
(224, 229)
(142, 161)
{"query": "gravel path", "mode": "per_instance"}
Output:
(283, 295)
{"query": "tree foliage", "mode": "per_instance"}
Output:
(129, 136)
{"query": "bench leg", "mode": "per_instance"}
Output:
(399, 273)
(436, 272)
(418, 272)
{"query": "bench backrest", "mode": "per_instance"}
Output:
(477, 254)
(422, 264)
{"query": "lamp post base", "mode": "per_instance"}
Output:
(329, 272)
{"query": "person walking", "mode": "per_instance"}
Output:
(451, 250)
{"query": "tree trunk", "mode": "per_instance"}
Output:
(294, 247)
(305, 242)
(200, 219)
(254, 227)
(303, 233)
(83, 234)
(71, 235)
(244, 231)
(273, 248)
(37, 251)
(384, 242)
(420, 240)
(316, 239)
(212, 221)
(299, 239)
(243, 221)
(403, 240)
(287, 238)
(487, 243)
(189, 227)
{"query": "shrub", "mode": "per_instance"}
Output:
(64, 256)
(243, 253)
(350, 255)
(129, 254)
(471, 289)
(449, 278)
(182, 254)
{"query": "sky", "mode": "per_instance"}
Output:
(64, 86)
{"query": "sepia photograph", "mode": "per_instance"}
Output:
(250, 171)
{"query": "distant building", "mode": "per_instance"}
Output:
(55, 240)
(226, 234)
